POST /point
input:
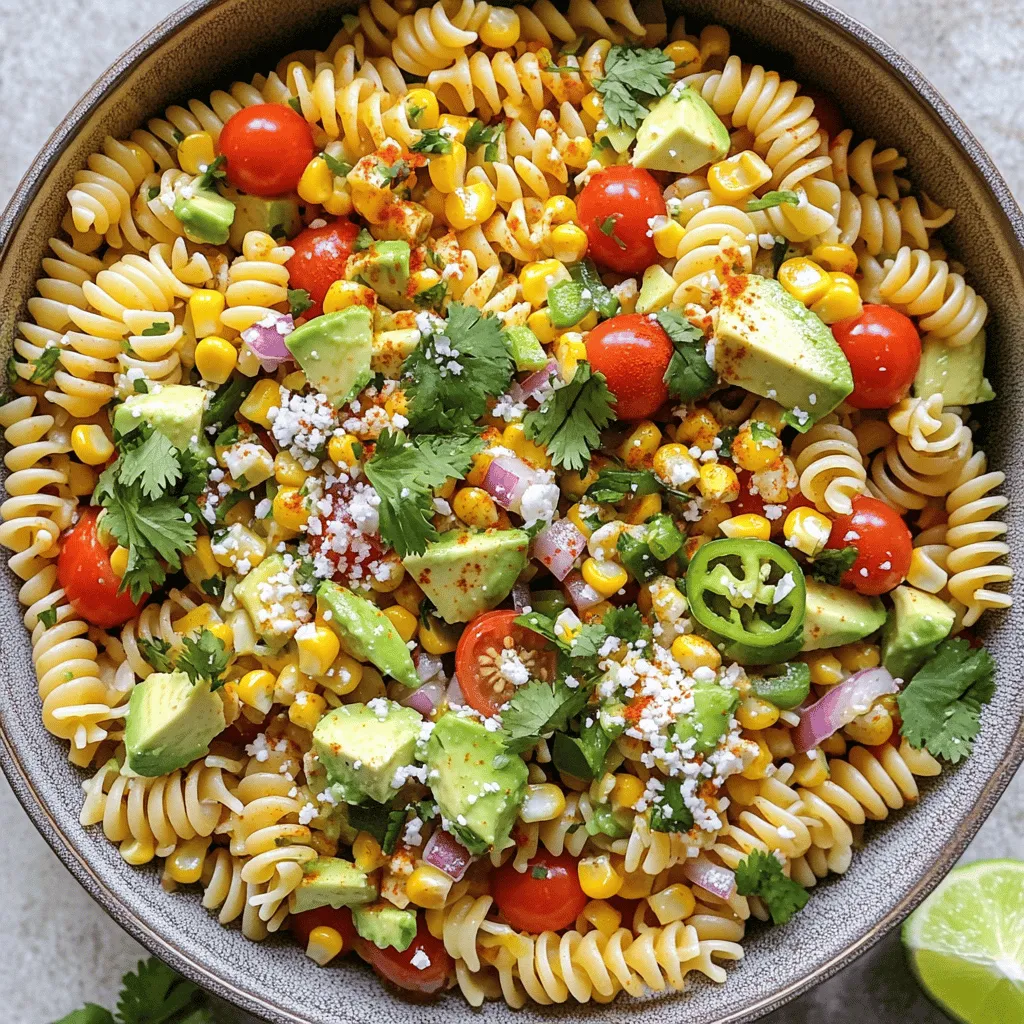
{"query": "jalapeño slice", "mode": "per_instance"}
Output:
(731, 588)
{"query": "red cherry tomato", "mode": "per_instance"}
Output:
(884, 350)
(827, 111)
(536, 904)
(325, 917)
(477, 659)
(266, 148)
(633, 353)
(319, 260)
(883, 546)
(614, 208)
(398, 968)
(754, 503)
(336, 535)
(83, 570)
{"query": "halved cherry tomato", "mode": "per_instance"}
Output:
(325, 917)
(83, 571)
(266, 148)
(633, 352)
(545, 897)
(481, 650)
(827, 111)
(398, 968)
(336, 535)
(319, 260)
(749, 502)
(883, 546)
(884, 350)
(614, 208)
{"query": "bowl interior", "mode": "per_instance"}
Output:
(203, 46)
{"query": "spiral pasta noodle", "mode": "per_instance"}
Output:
(831, 469)
(257, 281)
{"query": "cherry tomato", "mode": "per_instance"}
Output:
(884, 350)
(633, 353)
(478, 659)
(883, 546)
(754, 503)
(266, 148)
(398, 968)
(325, 917)
(827, 111)
(536, 904)
(614, 208)
(336, 534)
(83, 570)
(319, 260)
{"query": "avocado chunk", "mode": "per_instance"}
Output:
(958, 374)
(333, 813)
(466, 573)
(385, 925)
(525, 348)
(384, 267)
(918, 623)
(391, 349)
(680, 134)
(170, 723)
(656, 291)
(334, 352)
(205, 215)
(478, 793)
(331, 882)
(279, 217)
(368, 632)
(176, 411)
(265, 587)
(837, 616)
(708, 721)
(772, 344)
(363, 746)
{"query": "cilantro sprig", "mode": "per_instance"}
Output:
(832, 564)
(616, 483)
(45, 367)
(299, 301)
(633, 77)
(433, 140)
(157, 652)
(204, 657)
(761, 875)
(770, 199)
(481, 134)
(539, 709)
(688, 376)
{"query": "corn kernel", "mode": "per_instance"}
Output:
(754, 713)
(201, 564)
(694, 652)
(576, 518)
(575, 486)
(568, 243)
(206, 306)
(81, 479)
(737, 177)
(340, 202)
(290, 683)
(514, 438)
(872, 728)
(289, 509)
(317, 182)
(91, 444)
(459, 122)
(265, 395)
(448, 172)
(256, 689)
(747, 525)
(543, 802)
(628, 789)
(598, 878)
(810, 769)
(404, 621)
(667, 235)
(825, 668)
(593, 105)
(318, 646)
(807, 531)
(719, 482)
(185, 864)
(428, 886)
(325, 943)
(674, 465)
(639, 509)
(762, 763)
(436, 638)
(215, 359)
(804, 280)
(343, 294)
(570, 351)
(195, 152)
(478, 471)
(684, 55)
(673, 903)
(119, 561)
(636, 886)
(699, 427)
(560, 209)
(366, 853)
(540, 323)
(288, 470)
(501, 29)
(421, 108)
(471, 205)
(638, 449)
(841, 301)
(856, 657)
(342, 449)
(536, 279)
(606, 577)
(840, 258)
(603, 916)
(306, 710)
(755, 455)
(475, 507)
(715, 513)
(343, 676)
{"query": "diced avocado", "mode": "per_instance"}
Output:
(361, 746)
(477, 784)
(333, 817)
(526, 349)
(837, 616)
(384, 267)
(334, 352)
(391, 349)
(176, 411)
(369, 634)
(770, 343)
(606, 821)
(331, 882)
(958, 374)
(170, 723)
(708, 721)
(657, 289)
(205, 215)
(385, 925)
(680, 134)
(918, 623)
(258, 599)
(466, 573)
(279, 217)
(619, 136)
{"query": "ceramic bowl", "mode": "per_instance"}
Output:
(208, 43)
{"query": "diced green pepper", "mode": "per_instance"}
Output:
(636, 556)
(786, 689)
(567, 303)
(663, 537)
(227, 400)
(548, 602)
(526, 349)
(600, 295)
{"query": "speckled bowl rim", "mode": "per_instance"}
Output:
(968, 147)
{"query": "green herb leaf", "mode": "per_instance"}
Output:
(613, 485)
(363, 240)
(213, 586)
(480, 134)
(626, 623)
(727, 435)
(153, 193)
(832, 564)
(45, 366)
(336, 166)
(539, 871)
(688, 376)
(633, 77)
(780, 253)
(382, 821)
(433, 140)
(668, 811)
(157, 329)
(570, 421)
(213, 173)
(396, 172)
(607, 227)
(299, 301)
(770, 199)
(293, 102)
(154, 994)
(156, 652)
(761, 875)
(204, 658)
(153, 465)
(762, 434)
(431, 298)
(88, 1014)
(539, 709)
(941, 706)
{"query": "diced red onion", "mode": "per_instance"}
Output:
(507, 480)
(558, 546)
(533, 384)
(715, 879)
(581, 593)
(841, 705)
(520, 597)
(426, 698)
(428, 666)
(447, 854)
(454, 693)
(266, 339)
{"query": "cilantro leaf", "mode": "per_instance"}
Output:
(761, 433)
(570, 421)
(213, 173)
(538, 709)
(293, 102)
(480, 134)
(761, 875)
(154, 994)
(669, 812)
(156, 652)
(607, 227)
(625, 622)
(614, 484)
(156, 330)
(941, 706)
(431, 298)
(832, 564)
(633, 76)
(538, 871)
(299, 301)
(451, 374)
(587, 642)
(48, 617)
(770, 199)
(363, 240)
(153, 464)
(88, 1014)
(396, 172)
(688, 376)
(45, 366)
(336, 166)
(213, 586)
(204, 658)
(433, 140)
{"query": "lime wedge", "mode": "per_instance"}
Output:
(966, 942)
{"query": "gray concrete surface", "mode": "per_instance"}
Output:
(59, 948)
